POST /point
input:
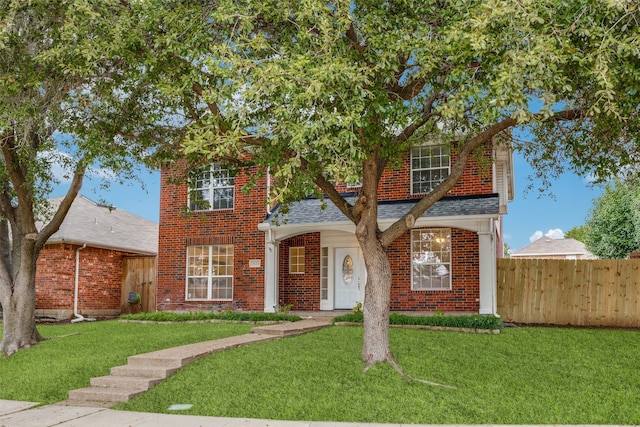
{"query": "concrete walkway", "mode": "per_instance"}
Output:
(143, 371)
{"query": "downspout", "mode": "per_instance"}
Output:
(78, 317)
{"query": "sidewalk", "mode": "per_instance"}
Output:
(18, 414)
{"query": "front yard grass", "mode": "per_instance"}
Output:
(522, 376)
(46, 372)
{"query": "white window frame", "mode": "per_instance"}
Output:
(212, 182)
(296, 259)
(201, 260)
(427, 160)
(431, 259)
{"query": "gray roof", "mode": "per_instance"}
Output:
(309, 211)
(111, 228)
(546, 246)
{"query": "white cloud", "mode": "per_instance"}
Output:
(556, 233)
(63, 164)
(535, 236)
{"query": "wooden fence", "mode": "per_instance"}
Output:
(139, 275)
(570, 292)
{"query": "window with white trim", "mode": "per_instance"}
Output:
(210, 272)
(429, 167)
(431, 259)
(212, 189)
(296, 260)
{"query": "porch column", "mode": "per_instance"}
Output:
(487, 250)
(270, 273)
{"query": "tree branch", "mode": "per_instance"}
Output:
(407, 221)
(74, 188)
(17, 177)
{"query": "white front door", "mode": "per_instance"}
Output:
(347, 280)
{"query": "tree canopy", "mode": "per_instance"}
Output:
(66, 99)
(578, 233)
(321, 92)
(613, 224)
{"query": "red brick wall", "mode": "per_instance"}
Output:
(465, 281)
(302, 291)
(99, 279)
(237, 226)
(396, 184)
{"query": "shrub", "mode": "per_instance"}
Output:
(170, 316)
(475, 321)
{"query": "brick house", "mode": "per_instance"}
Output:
(235, 252)
(79, 270)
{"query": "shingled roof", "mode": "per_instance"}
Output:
(548, 247)
(309, 211)
(106, 227)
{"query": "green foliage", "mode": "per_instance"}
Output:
(170, 316)
(314, 88)
(471, 322)
(354, 317)
(521, 376)
(357, 308)
(613, 224)
(284, 309)
(578, 233)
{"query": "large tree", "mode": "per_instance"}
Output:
(66, 100)
(613, 224)
(327, 91)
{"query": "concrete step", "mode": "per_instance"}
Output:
(142, 371)
(101, 394)
(153, 361)
(293, 328)
(113, 381)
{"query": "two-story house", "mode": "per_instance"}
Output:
(234, 251)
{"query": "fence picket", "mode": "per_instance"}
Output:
(569, 292)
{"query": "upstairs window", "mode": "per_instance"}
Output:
(212, 189)
(429, 167)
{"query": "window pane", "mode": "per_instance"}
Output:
(212, 189)
(431, 259)
(296, 260)
(429, 167)
(210, 272)
(197, 288)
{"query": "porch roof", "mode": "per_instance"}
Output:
(309, 211)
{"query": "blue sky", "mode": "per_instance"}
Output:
(531, 215)
(528, 215)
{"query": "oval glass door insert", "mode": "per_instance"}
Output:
(347, 270)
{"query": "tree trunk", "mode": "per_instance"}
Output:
(18, 298)
(376, 347)
(377, 296)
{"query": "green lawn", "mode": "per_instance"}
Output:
(522, 376)
(46, 372)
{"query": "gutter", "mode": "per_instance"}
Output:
(78, 317)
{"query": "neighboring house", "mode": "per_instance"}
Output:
(234, 253)
(546, 247)
(79, 270)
